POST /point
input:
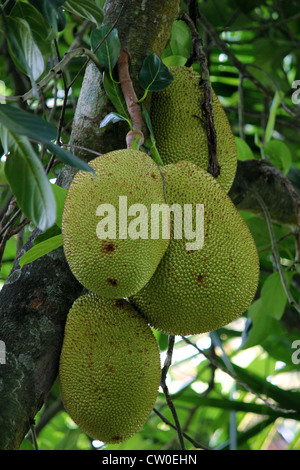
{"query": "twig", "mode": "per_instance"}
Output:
(241, 106)
(57, 69)
(290, 298)
(233, 376)
(165, 389)
(134, 138)
(214, 34)
(207, 104)
(190, 439)
(101, 42)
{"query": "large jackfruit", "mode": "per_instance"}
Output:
(179, 129)
(120, 261)
(200, 290)
(109, 368)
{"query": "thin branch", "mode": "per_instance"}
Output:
(290, 298)
(233, 59)
(190, 439)
(101, 42)
(207, 104)
(233, 376)
(57, 69)
(165, 389)
(268, 25)
(241, 106)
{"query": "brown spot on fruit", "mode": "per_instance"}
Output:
(112, 282)
(108, 247)
(200, 279)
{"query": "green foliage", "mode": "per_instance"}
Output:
(241, 391)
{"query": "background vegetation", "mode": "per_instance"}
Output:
(235, 388)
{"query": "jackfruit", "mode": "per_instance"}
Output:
(179, 126)
(109, 368)
(108, 254)
(199, 290)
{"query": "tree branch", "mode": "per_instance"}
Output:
(35, 300)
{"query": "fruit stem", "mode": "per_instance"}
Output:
(134, 138)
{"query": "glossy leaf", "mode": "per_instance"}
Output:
(41, 249)
(52, 12)
(273, 296)
(180, 43)
(67, 157)
(28, 181)
(244, 152)
(279, 154)
(154, 74)
(23, 49)
(108, 52)
(85, 9)
(25, 123)
(60, 196)
(115, 95)
(112, 118)
(37, 24)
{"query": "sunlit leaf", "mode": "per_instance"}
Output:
(27, 179)
(41, 249)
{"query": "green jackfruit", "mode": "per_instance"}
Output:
(179, 129)
(102, 256)
(109, 368)
(199, 290)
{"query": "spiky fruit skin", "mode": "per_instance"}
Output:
(109, 368)
(179, 129)
(201, 290)
(114, 267)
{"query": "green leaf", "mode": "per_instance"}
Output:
(41, 249)
(154, 74)
(39, 27)
(67, 157)
(261, 325)
(172, 60)
(23, 49)
(112, 118)
(86, 9)
(273, 296)
(272, 117)
(180, 44)
(108, 52)
(244, 152)
(27, 124)
(27, 179)
(52, 12)
(60, 196)
(49, 233)
(115, 95)
(279, 154)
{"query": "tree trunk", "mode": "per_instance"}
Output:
(35, 300)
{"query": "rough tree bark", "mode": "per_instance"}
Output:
(34, 301)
